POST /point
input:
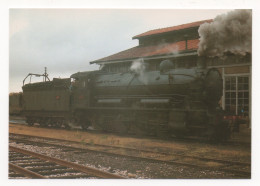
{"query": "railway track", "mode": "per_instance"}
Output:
(28, 164)
(168, 138)
(203, 163)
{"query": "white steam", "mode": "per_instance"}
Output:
(138, 67)
(231, 32)
(173, 49)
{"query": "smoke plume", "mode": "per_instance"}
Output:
(231, 32)
(138, 67)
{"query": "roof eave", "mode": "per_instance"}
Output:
(162, 33)
(148, 35)
(180, 54)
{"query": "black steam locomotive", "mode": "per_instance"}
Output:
(166, 102)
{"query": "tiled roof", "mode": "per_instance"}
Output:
(170, 29)
(156, 49)
(151, 50)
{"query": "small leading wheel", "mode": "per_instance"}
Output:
(219, 133)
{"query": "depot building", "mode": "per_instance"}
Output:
(179, 44)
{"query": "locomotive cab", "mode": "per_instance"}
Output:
(80, 90)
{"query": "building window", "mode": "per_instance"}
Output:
(237, 95)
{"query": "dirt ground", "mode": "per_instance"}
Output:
(219, 151)
(142, 169)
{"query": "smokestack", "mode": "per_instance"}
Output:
(201, 62)
(228, 33)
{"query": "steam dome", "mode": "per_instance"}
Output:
(166, 65)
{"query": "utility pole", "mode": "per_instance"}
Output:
(45, 73)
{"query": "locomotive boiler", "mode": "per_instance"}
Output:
(165, 102)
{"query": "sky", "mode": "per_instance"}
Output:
(66, 40)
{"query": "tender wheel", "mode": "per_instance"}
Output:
(29, 121)
(44, 122)
(58, 123)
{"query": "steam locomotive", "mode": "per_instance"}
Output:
(179, 102)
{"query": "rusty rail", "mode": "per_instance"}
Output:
(25, 172)
(225, 167)
(81, 168)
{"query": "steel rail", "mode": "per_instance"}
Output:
(126, 148)
(81, 168)
(173, 161)
(25, 172)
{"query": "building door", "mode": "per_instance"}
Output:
(237, 95)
